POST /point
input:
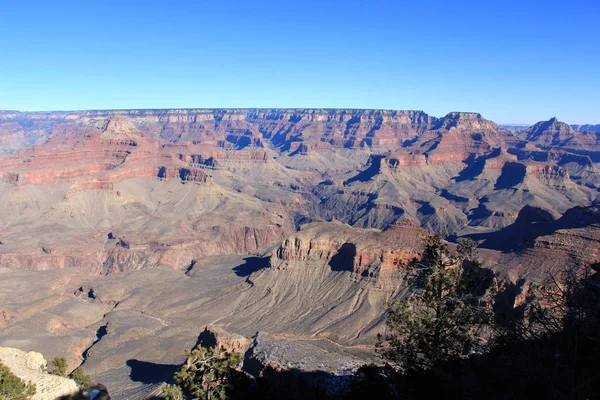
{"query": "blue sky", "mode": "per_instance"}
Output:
(513, 61)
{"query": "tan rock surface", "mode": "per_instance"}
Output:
(31, 366)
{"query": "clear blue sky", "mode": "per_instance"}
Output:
(513, 61)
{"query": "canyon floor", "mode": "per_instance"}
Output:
(124, 234)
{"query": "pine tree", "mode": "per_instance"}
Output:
(445, 314)
(207, 374)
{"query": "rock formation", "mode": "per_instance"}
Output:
(103, 171)
(128, 232)
(31, 367)
(553, 133)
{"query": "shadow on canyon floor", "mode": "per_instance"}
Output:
(251, 265)
(150, 373)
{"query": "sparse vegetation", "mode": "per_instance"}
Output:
(58, 366)
(553, 350)
(13, 388)
(83, 378)
(208, 373)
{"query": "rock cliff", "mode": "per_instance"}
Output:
(31, 366)
(378, 256)
(463, 121)
(240, 127)
(248, 178)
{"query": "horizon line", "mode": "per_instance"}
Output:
(516, 124)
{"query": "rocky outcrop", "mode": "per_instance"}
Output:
(226, 159)
(256, 128)
(139, 253)
(117, 151)
(214, 336)
(397, 160)
(547, 130)
(454, 139)
(464, 121)
(537, 244)
(66, 159)
(374, 255)
(84, 176)
(309, 366)
(31, 366)
(164, 222)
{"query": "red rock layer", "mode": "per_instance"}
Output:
(115, 151)
(372, 254)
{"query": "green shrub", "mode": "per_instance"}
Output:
(83, 378)
(58, 366)
(172, 392)
(12, 388)
(80, 375)
(208, 373)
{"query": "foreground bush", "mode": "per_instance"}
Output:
(12, 388)
(208, 373)
(82, 378)
(58, 366)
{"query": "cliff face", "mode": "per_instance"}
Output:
(376, 256)
(113, 177)
(538, 244)
(241, 127)
(550, 127)
(238, 128)
(115, 149)
(461, 121)
(183, 184)
(165, 221)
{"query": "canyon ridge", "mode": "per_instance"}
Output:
(127, 236)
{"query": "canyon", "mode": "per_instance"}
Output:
(124, 234)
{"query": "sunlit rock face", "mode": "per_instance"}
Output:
(126, 233)
(180, 184)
